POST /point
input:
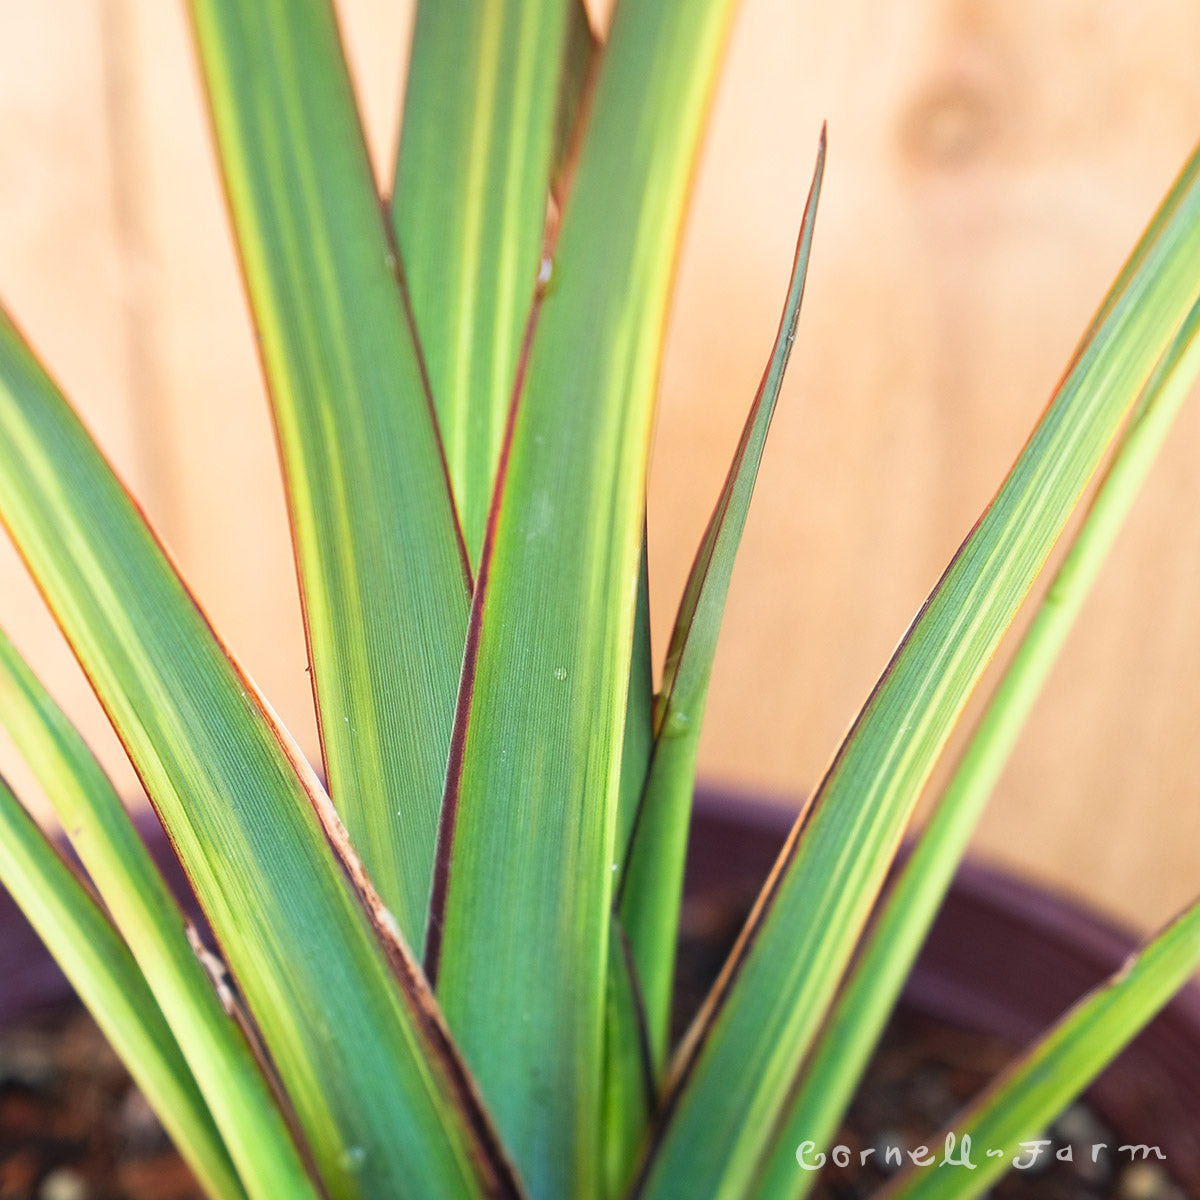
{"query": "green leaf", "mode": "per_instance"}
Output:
(523, 889)
(469, 209)
(381, 1098)
(845, 1047)
(629, 1091)
(637, 742)
(584, 52)
(731, 1078)
(384, 581)
(628, 1072)
(147, 917)
(1047, 1077)
(108, 981)
(651, 886)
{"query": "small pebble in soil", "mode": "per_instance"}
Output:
(140, 1128)
(1077, 1125)
(26, 1060)
(63, 1184)
(1146, 1181)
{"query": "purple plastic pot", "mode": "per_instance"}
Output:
(1004, 958)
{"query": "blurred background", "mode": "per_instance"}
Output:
(990, 165)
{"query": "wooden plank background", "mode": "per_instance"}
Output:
(990, 165)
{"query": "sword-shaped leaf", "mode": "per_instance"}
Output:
(101, 969)
(483, 101)
(628, 1072)
(629, 1091)
(896, 936)
(584, 52)
(524, 878)
(732, 1076)
(651, 886)
(147, 917)
(637, 742)
(383, 579)
(379, 1093)
(1051, 1073)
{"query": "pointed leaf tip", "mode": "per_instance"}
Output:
(651, 883)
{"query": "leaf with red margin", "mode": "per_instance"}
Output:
(383, 1101)
(529, 823)
(731, 1078)
(384, 581)
(491, 96)
(651, 884)
(898, 931)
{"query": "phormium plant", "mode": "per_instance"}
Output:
(451, 953)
